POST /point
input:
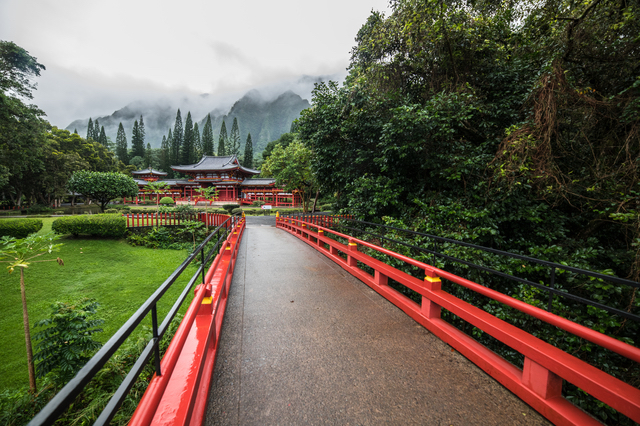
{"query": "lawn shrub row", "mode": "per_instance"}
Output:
(103, 225)
(19, 228)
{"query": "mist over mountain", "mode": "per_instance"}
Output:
(266, 114)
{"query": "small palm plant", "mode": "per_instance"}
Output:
(20, 254)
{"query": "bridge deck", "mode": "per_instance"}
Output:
(304, 342)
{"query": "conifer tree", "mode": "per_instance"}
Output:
(197, 143)
(103, 138)
(165, 156)
(75, 131)
(147, 155)
(207, 137)
(234, 139)
(90, 129)
(248, 152)
(187, 143)
(96, 131)
(222, 140)
(121, 145)
(137, 147)
(177, 140)
(141, 130)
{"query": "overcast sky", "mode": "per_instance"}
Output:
(102, 55)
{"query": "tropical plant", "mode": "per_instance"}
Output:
(21, 253)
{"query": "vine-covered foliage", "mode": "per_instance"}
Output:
(514, 126)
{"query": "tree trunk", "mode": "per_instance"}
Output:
(27, 335)
(315, 201)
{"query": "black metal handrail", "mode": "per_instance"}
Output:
(327, 221)
(74, 387)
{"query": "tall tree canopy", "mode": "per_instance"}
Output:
(222, 140)
(248, 152)
(187, 150)
(207, 137)
(177, 139)
(122, 151)
(234, 139)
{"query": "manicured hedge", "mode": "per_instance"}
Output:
(19, 228)
(236, 211)
(102, 225)
(167, 200)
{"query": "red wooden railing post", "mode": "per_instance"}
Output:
(543, 382)
(431, 282)
(352, 247)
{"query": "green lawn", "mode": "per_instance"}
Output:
(120, 277)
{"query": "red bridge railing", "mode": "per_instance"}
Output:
(539, 383)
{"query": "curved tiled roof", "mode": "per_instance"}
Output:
(258, 182)
(211, 163)
(149, 172)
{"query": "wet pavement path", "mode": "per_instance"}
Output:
(304, 342)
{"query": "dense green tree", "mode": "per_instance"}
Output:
(285, 139)
(187, 150)
(197, 143)
(137, 144)
(22, 129)
(90, 129)
(102, 139)
(291, 167)
(248, 152)
(142, 131)
(103, 187)
(148, 154)
(234, 139)
(222, 140)
(95, 135)
(207, 138)
(177, 140)
(122, 151)
(165, 164)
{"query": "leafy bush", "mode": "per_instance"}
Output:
(58, 212)
(236, 211)
(167, 200)
(112, 211)
(65, 345)
(19, 228)
(103, 225)
(181, 237)
(230, 207)
(327, 207)
(258, 203)
(39, 209)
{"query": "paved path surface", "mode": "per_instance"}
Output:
(304, 342)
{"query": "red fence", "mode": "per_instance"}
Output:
(138, 220)
(179, 396)
(539, 383)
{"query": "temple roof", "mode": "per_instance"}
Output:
(210, 163)
(149, 172)
(170, 182)
(258, 182)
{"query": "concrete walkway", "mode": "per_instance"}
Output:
(304, 342)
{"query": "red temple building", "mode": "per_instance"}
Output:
(233, 181)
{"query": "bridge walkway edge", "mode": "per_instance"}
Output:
(304, 342)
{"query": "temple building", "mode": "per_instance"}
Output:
(233, 181)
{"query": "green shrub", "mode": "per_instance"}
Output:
(19, 228)
(166, 200)
(58, 212)
(39, 209)
(327, 207)
(103, 225)
(236, 211)
(230, 207)
(258, 203)
(112, 211)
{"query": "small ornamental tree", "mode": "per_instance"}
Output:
(209, 194)
(19, 253)
(158, 187)
(102, 186)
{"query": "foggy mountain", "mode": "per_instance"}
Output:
(265, 119)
